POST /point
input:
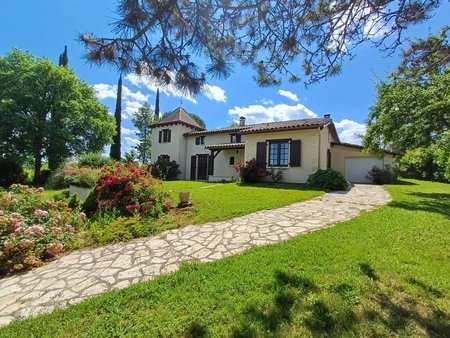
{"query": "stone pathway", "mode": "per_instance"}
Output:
(88, 272)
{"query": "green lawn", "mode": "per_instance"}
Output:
(220, 201)
(385, 273)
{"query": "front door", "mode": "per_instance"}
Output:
(202, 167)
(193, 167)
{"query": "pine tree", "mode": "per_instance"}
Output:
(157, 105)
(115, 146)
(63, 58)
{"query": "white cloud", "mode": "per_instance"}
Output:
(289, 95)
(107, 91)
(280, 112)
(129, 108)
(214, 93)
(152, 85)
(350, 131)
(265, 102)
(126, 131)
(131, 141)
(375, 27)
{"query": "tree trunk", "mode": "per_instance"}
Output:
(37, 166)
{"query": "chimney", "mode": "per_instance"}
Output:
(241, 121)
(326, 116)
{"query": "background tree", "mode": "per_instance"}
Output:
(164, 39)
(142, 120)
(157, 104)
(64, 58)
(412, 112)
(30, 91)
(115, 151)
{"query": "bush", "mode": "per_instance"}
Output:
(33, 229)
(11, 172)
(276, 175)
(130, 190)
(165, 170)
(249, 172)
(387, 175)
(328, 179)
(67, 174)
(93, 160)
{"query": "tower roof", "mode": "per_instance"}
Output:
(179, 115)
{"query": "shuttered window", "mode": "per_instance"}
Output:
(295, 153)
(278, 153)
(165, 136)
(261, 151)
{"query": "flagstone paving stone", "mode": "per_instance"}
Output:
(88, 272)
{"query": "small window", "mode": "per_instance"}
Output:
(235, 138)
(231, 160)
(163, 158)
(200, 140)
(165, 136)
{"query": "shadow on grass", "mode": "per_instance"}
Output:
(432, 202)
(399, 314)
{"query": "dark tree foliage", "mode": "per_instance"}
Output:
(425, 57)
(63, 58)
(157, 105)
(164, 40)
(115, 152)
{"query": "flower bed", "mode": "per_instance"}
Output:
(33, 229)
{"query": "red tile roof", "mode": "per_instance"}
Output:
(226, 146)
(271, 126)
(179, 115)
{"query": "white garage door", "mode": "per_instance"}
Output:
(356, 168)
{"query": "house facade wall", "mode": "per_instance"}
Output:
(222, 169)
(310, 152)
(176, 148)
(340, 152)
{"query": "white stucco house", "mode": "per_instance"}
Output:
(298, 148)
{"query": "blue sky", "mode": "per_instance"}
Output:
(44, 27)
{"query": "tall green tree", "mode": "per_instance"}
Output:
(412, 110)
(64, 58)
(157, 104)
(115, 152)
(31, 90)
(183, 43)
(142, 120)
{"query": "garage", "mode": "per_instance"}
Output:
(357, 168)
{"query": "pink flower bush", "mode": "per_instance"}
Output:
(33, 229)
(130, 190)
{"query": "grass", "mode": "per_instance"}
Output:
(385, 273)
(221, 201)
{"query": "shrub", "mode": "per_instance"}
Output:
(131, 190)
(10, 172)
(33, 229)
(276, 175)
(94, 160)
(249, 172)
(165, 170)
(387, 175)
(328, 179)
(86, 177)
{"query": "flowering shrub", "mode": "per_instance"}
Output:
(82, 176)
(249, 172)
(131, 190)
(33, 229)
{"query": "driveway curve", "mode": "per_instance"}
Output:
(88, 272)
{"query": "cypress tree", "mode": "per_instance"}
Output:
(63, 58)
(115, 146)
(157, 105)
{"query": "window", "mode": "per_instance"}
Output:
(278, 154)
(235, 138)
(200, 140)
(231, 160)
(164, 158)
(165, 136)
